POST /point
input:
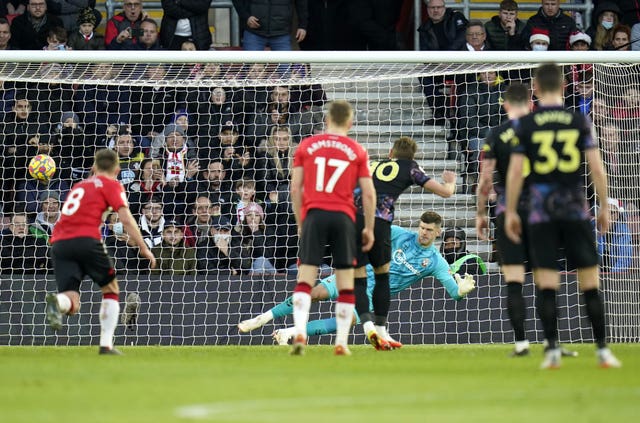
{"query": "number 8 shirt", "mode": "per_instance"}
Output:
(83, 212)
(332, 165)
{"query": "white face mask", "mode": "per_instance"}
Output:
(118, 228)
(219, 237)
(607, 24)
(539, 47)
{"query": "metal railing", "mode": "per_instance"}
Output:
(234, 27)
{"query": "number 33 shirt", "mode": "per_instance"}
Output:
(82, 213)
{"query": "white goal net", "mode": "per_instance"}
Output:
(205, 142)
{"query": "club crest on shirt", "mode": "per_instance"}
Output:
(425, 262)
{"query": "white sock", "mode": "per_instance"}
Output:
(266, 316)
(64, 303)
(301, 306)
(368, 327)
(344, 316)
(108, 321)
(522, 345)
(289, 332)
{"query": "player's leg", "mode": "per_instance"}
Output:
(314, 327)
(68, 274)
(360, 279)
(582, 252)
(326, 289)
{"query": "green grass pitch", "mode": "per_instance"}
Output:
(466, 383)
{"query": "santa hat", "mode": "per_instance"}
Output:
(538, 34)
(579, 36)
(615, 204)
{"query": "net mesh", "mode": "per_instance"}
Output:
(206, 145)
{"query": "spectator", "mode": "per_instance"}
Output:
(7, 99)
(454, 248)
(217, 187)
(539, 40)
(15, 7)
(579, 41)
(5, 35)
(443, 30)
(123, 30)
(245, 194)
(330, 27)
(23, 138)
(69, 10)
(48, 215)
(551, 18)
(20, 251)
(220, 251)
(615, 246)
(172, 255)
(475, 37)
(621, 38)
(102, 108)
(185, 20)
(152, 222)
(148, 38)
(635, 37)
(257, 242)
(212, 107)
(629, 11)
(178, 154)
(84, 37)
(130, 157)
(269, 23)
(605, 17)
(198, 224)
(29, 192)
(187, 45)
(121, 247)
(504, 31)
(154, 105)
(57, 39)
(73, 155)
(179, 123)
(580, 96)
(29, 30)
(479, 109)
(278, 161)
(150, 182)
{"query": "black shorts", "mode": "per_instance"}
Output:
(576, 236)
(380, 253)
(333, 232)
(510, 252)
(77, 257)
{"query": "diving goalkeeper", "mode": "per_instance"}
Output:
(414, 257)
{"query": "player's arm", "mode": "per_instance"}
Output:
(131, 227)
(515, 180)
(485, 184)
(297, 179)
(599, 179)
(369, 208)
(445, 189)
(456, 290)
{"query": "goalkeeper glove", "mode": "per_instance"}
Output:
(465, 285)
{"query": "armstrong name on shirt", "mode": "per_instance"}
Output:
(332, 144)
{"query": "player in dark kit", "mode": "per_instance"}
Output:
(77, 249)
(326, 170)
(390, 178)
(557, 143)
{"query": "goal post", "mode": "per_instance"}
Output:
(78, 101)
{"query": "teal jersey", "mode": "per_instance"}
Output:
(410, 263)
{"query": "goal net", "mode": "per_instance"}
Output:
(205, 144)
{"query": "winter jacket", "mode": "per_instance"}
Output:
(275, 16)
(194, 10)
(560, 28)
(499, 39)
(25, 37)
(77, 41)
(455, 25)
(115, 26)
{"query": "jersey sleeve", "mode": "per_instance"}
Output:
(115, 196)
(363, 166)
(489, 145)
(517, 147)
(418, 175)
(443, 275)
(298, 156)
(396, 234)
(586, 129)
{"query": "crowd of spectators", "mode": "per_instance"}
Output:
(206, 169)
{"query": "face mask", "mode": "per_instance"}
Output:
(538, 47)
(219, 237)
(118, 228)
(607, 24)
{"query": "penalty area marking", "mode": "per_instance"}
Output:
(238, 410)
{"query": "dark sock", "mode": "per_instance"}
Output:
(381, 297)
(362, 300)
(516, 309)
(548, 315)
(595, 311)
(380, 320)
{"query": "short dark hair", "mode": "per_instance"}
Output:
(106, 160)
(517, 94)
(475, 23)
(340, 112)
(549, 78)
(404, 148)
(431, 217)
(4, 21)
(59, 32)
(508, 5)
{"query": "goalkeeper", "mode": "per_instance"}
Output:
(414, 257)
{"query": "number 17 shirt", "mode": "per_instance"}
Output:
(332, 165)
